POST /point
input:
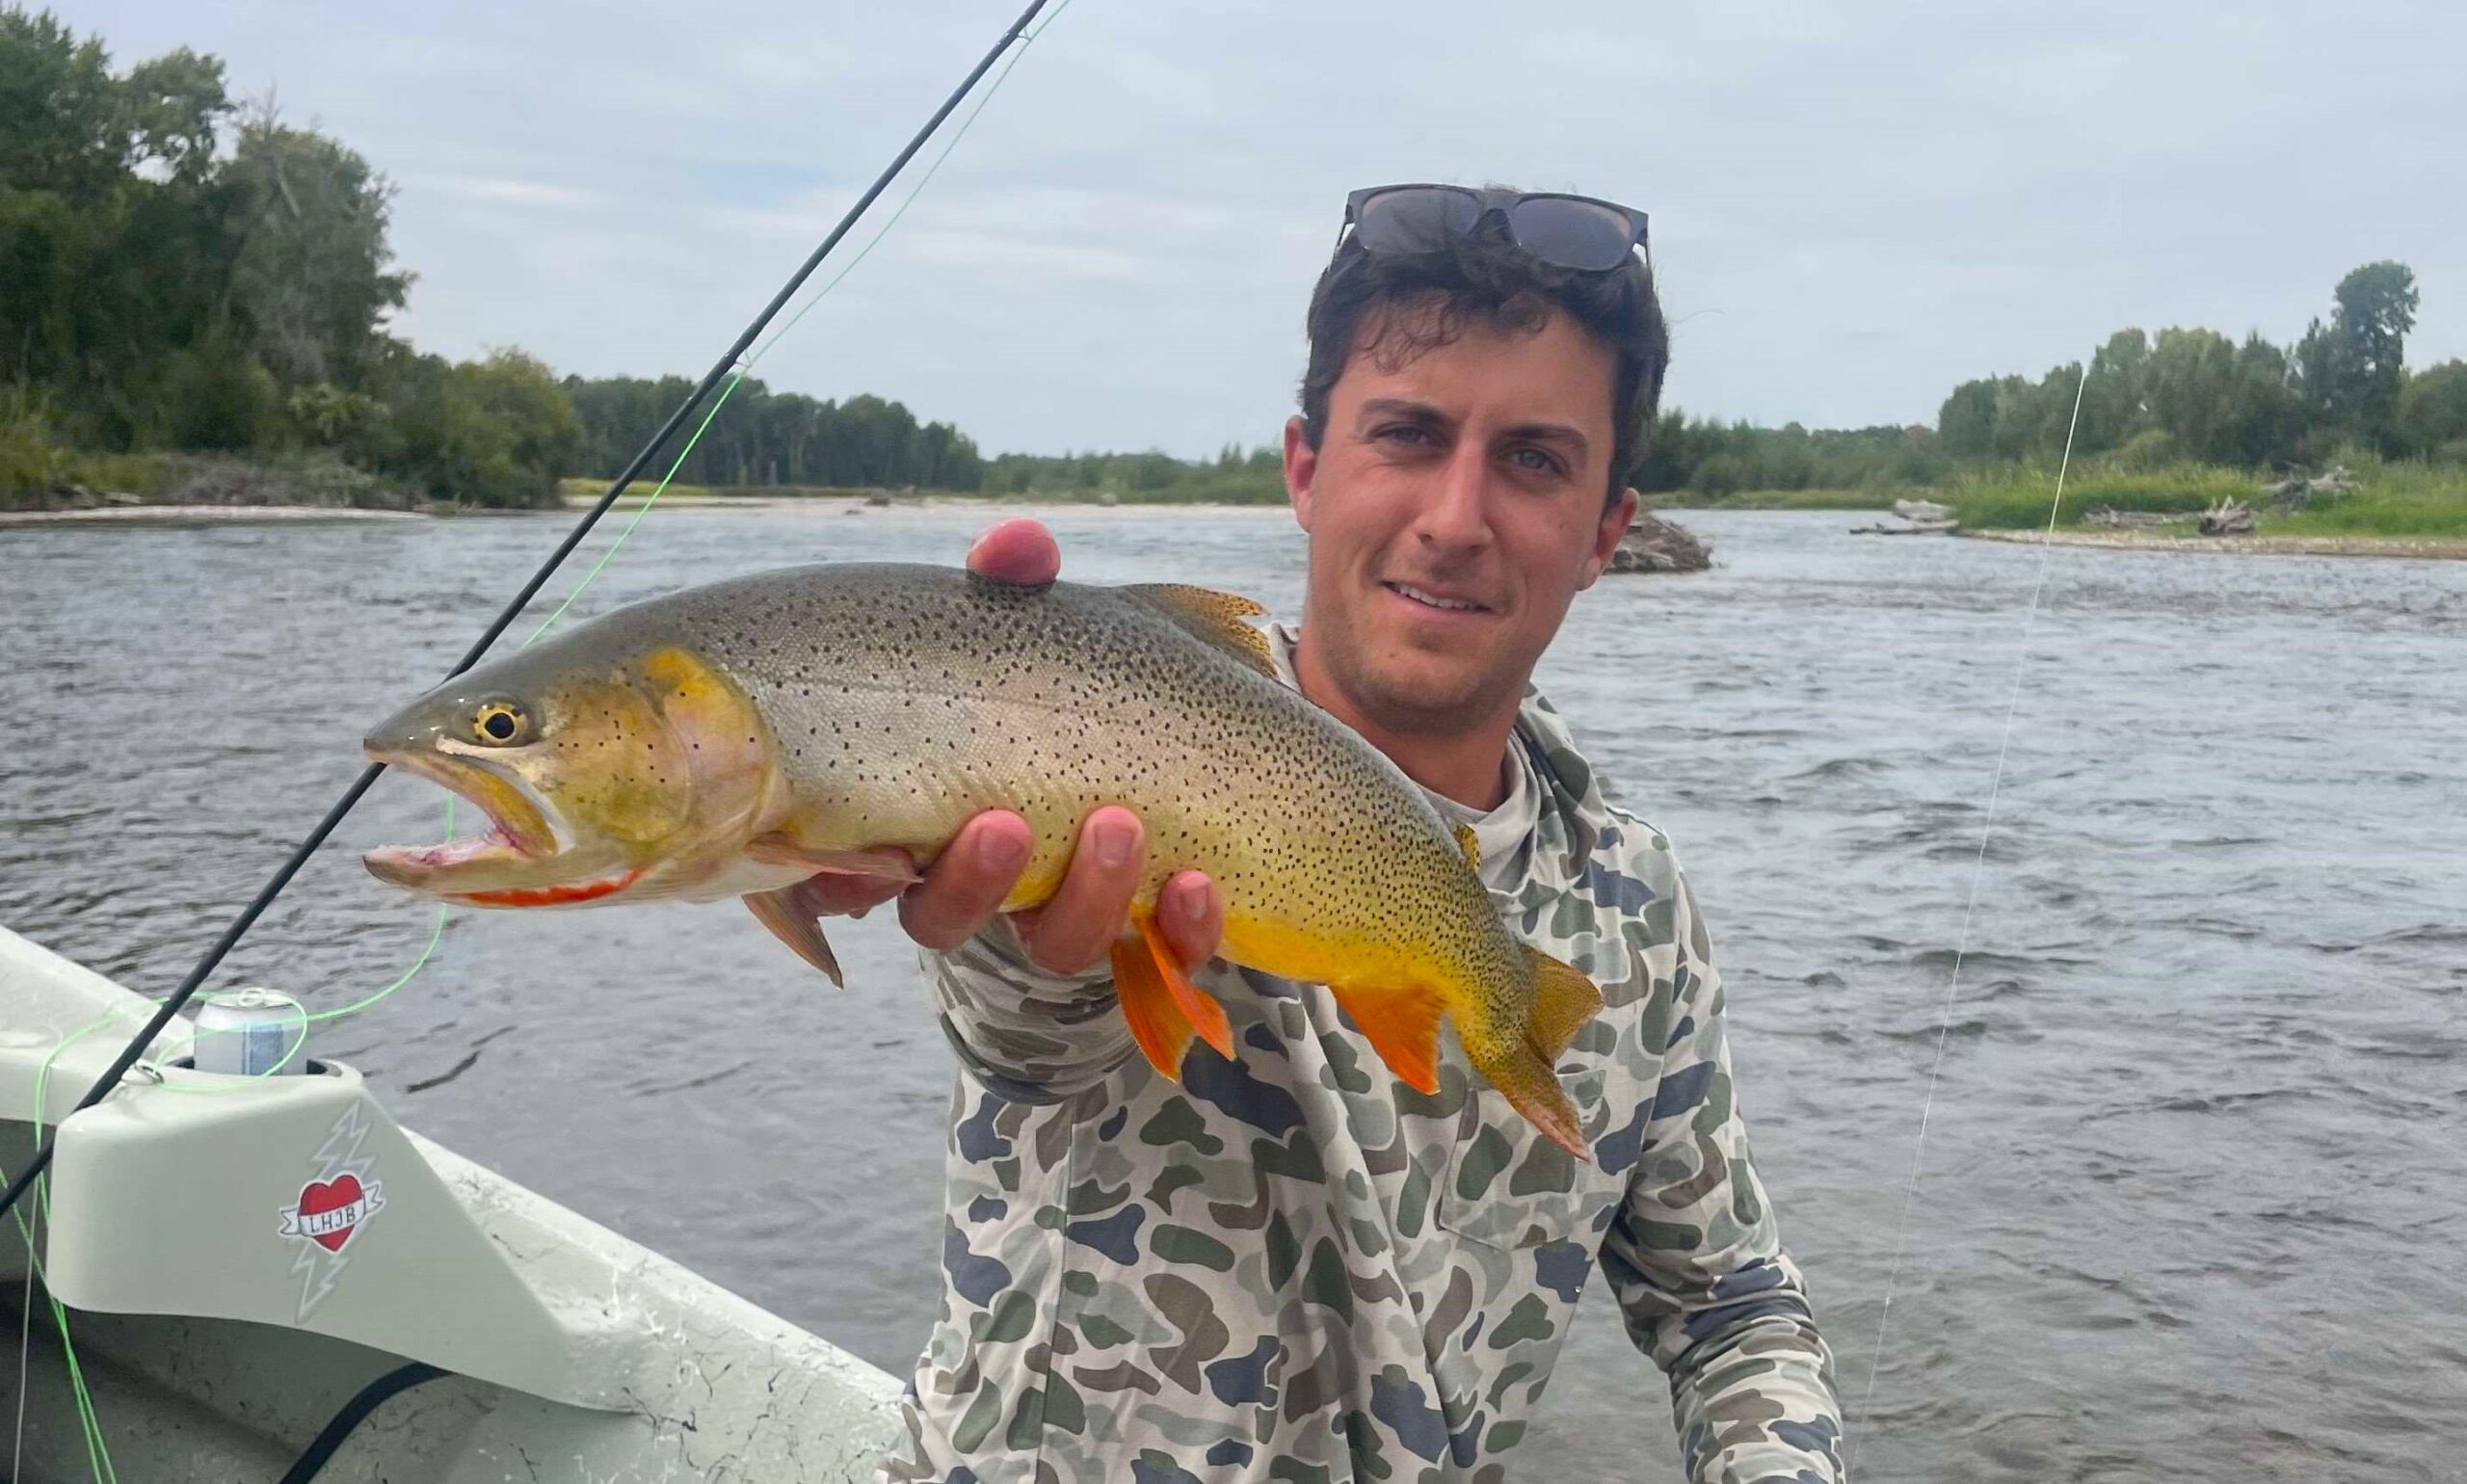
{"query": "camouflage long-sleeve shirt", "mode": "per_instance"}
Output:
(1295, 1268)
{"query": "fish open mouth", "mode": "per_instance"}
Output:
(519, 861)
(519, 831)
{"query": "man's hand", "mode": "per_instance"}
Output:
(964, 886)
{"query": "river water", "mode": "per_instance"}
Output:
(2193, 1201)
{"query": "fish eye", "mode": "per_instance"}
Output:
(500, 724)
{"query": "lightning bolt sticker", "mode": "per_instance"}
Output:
(333, 1207)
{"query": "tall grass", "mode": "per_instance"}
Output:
(2393, 499)
(2402, 497)
(2019, 497)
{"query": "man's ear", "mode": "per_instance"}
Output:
(1301, 468)
(1605, 536)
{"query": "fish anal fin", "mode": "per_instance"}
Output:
(1402, 1025)
(1158, 1022)
(1214, 616)
(1206, 1015)
(885, 863)
(793, 925)
(1563, 1000)
(1470, 843)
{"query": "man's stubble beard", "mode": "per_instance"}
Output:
(1410, 705)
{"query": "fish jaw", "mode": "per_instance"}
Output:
(522, 861)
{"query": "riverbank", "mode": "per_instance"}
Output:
(2419, 547)
(204, 515)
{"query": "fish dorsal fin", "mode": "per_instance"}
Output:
(1214, 616)
(1470, 843)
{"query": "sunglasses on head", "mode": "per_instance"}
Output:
(1577, 232)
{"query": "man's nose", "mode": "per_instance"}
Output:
(1454, 512)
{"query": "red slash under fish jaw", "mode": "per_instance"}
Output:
(574, 895)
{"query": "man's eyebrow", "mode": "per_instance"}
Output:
(1551, 433)
(1399, 407)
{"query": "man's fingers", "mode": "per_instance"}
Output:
(967, 882)
(1090, 910)
(1191, 916)
(1018, 550)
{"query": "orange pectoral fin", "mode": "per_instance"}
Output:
(1206, 1015)
(1402, 1026)
(1149, 1003)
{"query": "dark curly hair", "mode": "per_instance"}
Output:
(1397, 306)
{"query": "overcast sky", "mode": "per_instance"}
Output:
(1855, 203)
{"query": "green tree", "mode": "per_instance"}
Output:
(1966, 423)
(307, 272)
(2265, 417)
(2192, 383)
(2432, 411)
(2351, 368)
(2112, 404)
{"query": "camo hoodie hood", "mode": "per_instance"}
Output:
(1295, 1268)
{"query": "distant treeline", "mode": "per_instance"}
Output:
(760, 436)
(2195, 394)
(2184, 396)
(769, 440)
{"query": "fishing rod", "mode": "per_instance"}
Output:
(352, 796)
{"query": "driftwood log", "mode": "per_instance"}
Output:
(2299, 489)
(1655, 545)
(2228, 517)
(1912, 528)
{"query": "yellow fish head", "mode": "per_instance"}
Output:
(633, 777)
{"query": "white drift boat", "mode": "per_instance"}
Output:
(244, 1258)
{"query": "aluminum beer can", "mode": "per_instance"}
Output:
(250, 1033)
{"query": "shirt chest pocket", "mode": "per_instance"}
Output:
(1508, 1186)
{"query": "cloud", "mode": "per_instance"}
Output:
(500, 190)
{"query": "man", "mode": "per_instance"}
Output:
(1290, 1266)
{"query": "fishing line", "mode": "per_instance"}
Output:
(1961, 947)
(727, 362)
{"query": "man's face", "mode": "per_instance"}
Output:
(1455, 509)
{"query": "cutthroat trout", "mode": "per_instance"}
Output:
(736, 738)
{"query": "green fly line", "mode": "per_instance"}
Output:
(99, 1456)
